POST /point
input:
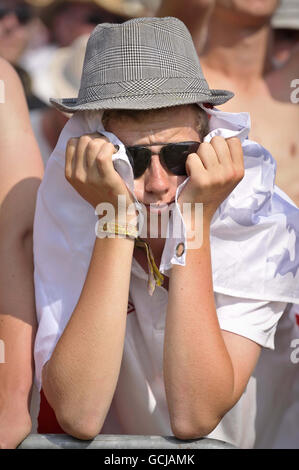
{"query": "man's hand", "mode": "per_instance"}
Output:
(89, 169)
(215, 170)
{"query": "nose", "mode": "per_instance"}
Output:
(156, 178)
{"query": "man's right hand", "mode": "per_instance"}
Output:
(89, 169)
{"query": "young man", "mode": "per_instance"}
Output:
(116, 352)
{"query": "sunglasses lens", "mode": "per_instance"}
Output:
(175, 156)
(139, 158)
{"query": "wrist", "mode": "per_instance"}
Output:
(197, 220)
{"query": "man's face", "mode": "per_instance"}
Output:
(157, 185)
(15, 17)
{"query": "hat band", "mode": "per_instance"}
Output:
(146, 87)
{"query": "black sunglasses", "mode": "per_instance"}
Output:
(23, 12)
(173, 156)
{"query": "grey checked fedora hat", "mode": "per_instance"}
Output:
(143, 63)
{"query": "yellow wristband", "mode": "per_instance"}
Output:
(112, 229)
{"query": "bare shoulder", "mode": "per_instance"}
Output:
(13, 104)
(6, 68)
(11, 89)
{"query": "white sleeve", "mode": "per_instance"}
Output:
(253, 319)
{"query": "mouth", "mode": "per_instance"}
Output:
(159, 205)
(158, 208)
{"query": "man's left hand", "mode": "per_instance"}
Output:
(214, 171)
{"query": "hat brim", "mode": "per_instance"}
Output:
(139, 102)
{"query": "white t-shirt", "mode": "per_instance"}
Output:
(36, 123)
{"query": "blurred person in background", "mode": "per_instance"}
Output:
(194, 13)
(61, 77)
(56, 68)
(66, 20)
(285, 76)
(285, 24)
(19, 27)
(238, 55)
(15, 22)
(21, 171)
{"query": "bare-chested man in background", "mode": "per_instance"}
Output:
(237, 57)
